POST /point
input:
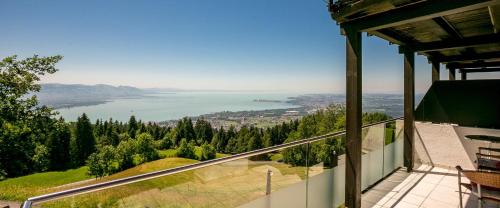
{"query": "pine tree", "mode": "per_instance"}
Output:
(98, 128)
(204, 131)
(132, 127)
(255, 141)
(189, 130)
(141, 128)
(58, 145)
(185, 130)
(84, 140)
(112, 137)
(242, 139)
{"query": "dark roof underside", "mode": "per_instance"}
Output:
(455, 32)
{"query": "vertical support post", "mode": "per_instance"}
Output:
(353, 118)
(464, 74)
(268, 182)
(335, 160)
(435, 71)
(452, 74)
(460, 188)
(409, 107)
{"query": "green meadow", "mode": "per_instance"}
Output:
(18, 189)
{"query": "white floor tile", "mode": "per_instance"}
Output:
(423, 189)
(403, 204)
(430, 203)
(413, 199)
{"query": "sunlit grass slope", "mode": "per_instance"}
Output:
(20, 188)
(109, 197)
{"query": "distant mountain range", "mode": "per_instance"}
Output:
(71, 95)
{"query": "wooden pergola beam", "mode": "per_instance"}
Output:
(446, 26)
(495, 17)
(493, 69)
(454, 44)
(474, 65)
(392, 36)
(415, 12)
(469, 57)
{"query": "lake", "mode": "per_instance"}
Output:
(169, 106)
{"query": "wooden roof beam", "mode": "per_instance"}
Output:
(473, 65)
(446, 26)
(392, 36)
(415, 12)
(470, 57)
(495, 69)
(396, 38)
(454, 44)
(495, 17)
(452, 32)
(342, 10)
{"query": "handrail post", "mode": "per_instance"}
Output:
(268, 181)
(26, 204)
(460, 188)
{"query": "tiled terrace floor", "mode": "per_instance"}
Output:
(425, 187)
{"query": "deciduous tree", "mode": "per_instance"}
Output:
(20, 114)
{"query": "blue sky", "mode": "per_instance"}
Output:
(281, 45)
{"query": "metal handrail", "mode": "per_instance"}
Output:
(146, 176)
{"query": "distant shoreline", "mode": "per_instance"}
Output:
(69, 105)
(279, 108)
(76, 104)
(260, 118)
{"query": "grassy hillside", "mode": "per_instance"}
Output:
(237, 183)
(18, 189)
(148, 167)
(229, 185)
(22, 187)
(109, 197)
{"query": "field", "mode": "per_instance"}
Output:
(224, 185)
(18, 189)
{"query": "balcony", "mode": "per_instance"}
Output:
(426, 186)
(459, 34)
(435, 182)
(253, 179)
(302, 176)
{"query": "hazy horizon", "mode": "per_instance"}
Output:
(173, 89)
